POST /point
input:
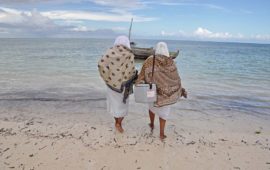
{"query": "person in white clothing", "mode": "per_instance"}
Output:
(168, 83)
(117, 69)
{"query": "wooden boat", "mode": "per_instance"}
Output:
(144, 53)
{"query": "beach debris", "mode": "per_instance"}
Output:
(258, 142)
(9, 156)
(139, 167)
(117, 146)
(179, 140)
(223, 140)
(245, 142)
(86, 132)
(30, 123)
(7, 132)
(12, 167)
(191, 143)
(42, 147)
(6, 149)
(21, 166)
(31, 155)
(268, 163)
(103, 167)
(133, 144)
(258, 132)
(94, 128)
(202, 141)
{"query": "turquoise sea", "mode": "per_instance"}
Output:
(219, 77)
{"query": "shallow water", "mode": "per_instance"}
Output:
(218, 76)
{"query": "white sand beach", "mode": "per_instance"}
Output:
(43, 136)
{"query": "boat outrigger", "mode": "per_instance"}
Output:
(144, 53)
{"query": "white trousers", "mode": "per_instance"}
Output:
(115, 105)
(163, 112)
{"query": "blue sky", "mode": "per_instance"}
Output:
(207, 20)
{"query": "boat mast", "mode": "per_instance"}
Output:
(129, 35)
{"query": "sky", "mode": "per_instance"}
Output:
(202, 20)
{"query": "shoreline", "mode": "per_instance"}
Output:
(47, 136)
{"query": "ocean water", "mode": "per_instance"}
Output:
(219, 77)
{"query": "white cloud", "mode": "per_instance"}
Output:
(205, 33)
(164, 33)
(127, 4)
(119, 28)
(15, 23)
(31, 20)
(47, 23)
(96, 16)
(81, 28)
(262, 37)
(178, 33)
(192, 4)
(120, 3)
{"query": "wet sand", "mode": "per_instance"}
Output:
(81, 135)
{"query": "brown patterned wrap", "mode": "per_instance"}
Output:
(117, 67)
(166, 78)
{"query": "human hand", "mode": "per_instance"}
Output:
(184, 93)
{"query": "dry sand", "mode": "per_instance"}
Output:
(45, 136)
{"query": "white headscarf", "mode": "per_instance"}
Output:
(122, 40)
(162, 49)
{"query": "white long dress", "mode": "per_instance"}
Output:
(163, 112)
(115, 105)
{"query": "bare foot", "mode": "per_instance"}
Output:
(162, 137)
(151, 126)
(119, 128)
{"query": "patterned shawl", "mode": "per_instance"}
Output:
(117, 67)
(166, 78)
